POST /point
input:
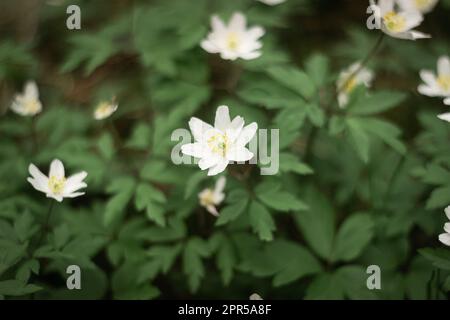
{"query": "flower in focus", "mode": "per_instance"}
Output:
(234, 40)
(272, 2)
(349, 79)
(436, 86)
(398, 23)
(445, 237)
(105, 109)
(216, 146)
(211, 198)
(423, 6)
(27, 103)
(56, 185)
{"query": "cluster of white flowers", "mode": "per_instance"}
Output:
(399, 18)
(445, 237)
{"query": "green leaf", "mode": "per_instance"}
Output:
(17, 288)
(122, 188)
(440, 257)
(317, 223)
(261, 221)
(294, 79)
(193, 268)
(105, 145)
(291, 163)
(377, 102)
(232, 211)
(353, 236)
(439, 198)
(282, 201)
(317, 68)
(359, 138)
(386, 132)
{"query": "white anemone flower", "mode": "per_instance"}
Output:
(445, 237)
(234, 40)
(105, 109)
(423, 6)
(436, 85)
(56, 185)
(27, 103)
(398, 23)
(212, 198)
(217, 146)
(272, 2)
(349, 79)
(255, 296)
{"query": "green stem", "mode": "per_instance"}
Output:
(45, 226)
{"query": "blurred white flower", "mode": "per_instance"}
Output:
(445, 237)
(212, 198)
(423, 6)
(349, 79)
(216, 146)
(436, 86)
(234, 40)
(396, 22)
(56, 185)
(27, 103)
(255, 296)
(447, 101)
(272, 2)
(105, 109)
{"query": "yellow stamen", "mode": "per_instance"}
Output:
(350, 84)
(218, 144)
(444, 82)
(422, 4)
(394, 22)
(207, 198)
(31, 105)
(232, 41)
(56, 185)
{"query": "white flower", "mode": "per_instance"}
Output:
(216, 146)
(447, 101)
(272, 2)
(233, 41)
(423, 6)
(398, 23)
(27, 103)
(346, 85)
(445, 116)
(212, 198)
(436, 86)
(445, 237)
(56, 185)
(105, 109)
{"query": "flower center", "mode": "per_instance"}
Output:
(103, 108)
(218, 144)
(232, 41)
(31, 105)
(207, 198)
(56, 185)
(394, 22)
(444, 82)
(350, 84)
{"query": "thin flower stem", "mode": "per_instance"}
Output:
(45, 226)
(429, 284)
(313, 133)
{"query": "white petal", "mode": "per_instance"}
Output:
(56, 169)
(37, 174)
(58, 198)
(211, 209)
(428, 91)
(198, 128)
(74, 195)
(194, 149)
(413, 19)
(220, 167)
(428, 77)
(209, 46)
(238, 153)
(75, 182)
(386, 6)
(220, 185)
(247, 134)
(443, 66)
(217, 24)
(208, 162)
(445, 238)
(251, 55)
(447, 102)
(447, 227)
(444, 116)
(38, 186)
(447, 212)
(31, 90)
(237, 22)
(222, 121)
(255, 32)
